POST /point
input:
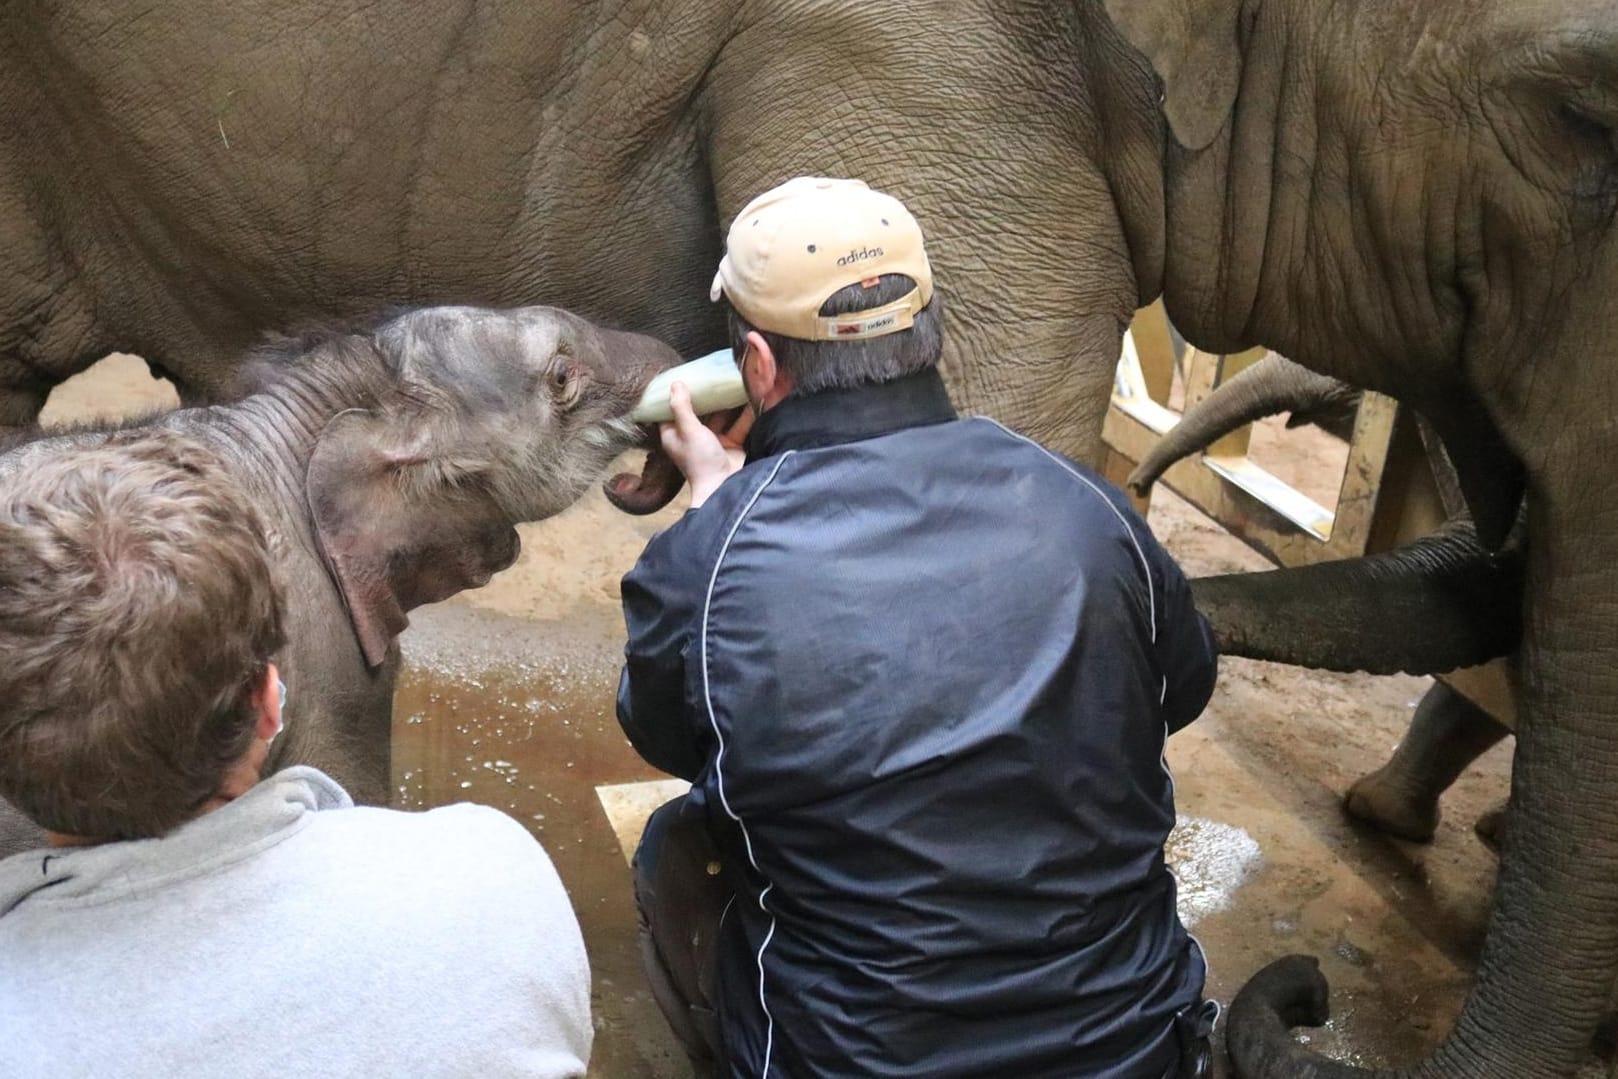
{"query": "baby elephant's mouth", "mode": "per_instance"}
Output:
(659, 480)
(656, 485)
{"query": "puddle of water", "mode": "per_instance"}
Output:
(1212, 862)
(1334, 1041)
(520, 717)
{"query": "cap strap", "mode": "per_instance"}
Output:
(877, 322)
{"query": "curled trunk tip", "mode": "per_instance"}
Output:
(1272, 385)
(1290, 992)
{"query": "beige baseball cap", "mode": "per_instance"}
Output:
(795, 245)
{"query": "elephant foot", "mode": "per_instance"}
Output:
(1390, 807)
(1491, 828)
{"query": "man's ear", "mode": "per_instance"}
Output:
(396, 526)
(1192, 45)
(266, 704)
(765, 381)
(758, 366)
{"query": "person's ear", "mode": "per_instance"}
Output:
(759, 372)
(266, 699)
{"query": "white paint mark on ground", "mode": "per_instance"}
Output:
(1210, 860)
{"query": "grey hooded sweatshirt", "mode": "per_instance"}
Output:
(291, 933)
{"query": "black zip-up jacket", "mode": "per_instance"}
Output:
(920, 671)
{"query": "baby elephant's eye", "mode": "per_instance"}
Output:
(566, 383)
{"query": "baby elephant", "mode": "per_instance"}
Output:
(390, 464)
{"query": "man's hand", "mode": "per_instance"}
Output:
(706, 453)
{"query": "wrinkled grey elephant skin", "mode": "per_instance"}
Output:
(1420, 200)
(316, 163)
(1414, 198)
(390, 466)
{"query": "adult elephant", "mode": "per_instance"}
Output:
(1420, 199)
(176, 177)
(1415, 198)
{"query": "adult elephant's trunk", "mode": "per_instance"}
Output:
(1272, 385)
(1437, 604)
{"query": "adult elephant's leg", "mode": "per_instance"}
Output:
(1447, 733)
(984, 121)
(1547, 967)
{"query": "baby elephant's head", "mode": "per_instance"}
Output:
(534, 401)
(486, 418)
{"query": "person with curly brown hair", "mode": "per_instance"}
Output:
(187, 916)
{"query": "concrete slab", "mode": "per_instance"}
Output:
(627, 805)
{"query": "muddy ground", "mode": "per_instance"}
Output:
(507, 699)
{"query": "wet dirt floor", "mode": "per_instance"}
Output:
(506, 698)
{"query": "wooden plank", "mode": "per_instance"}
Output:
(1359, 496)
(1149, 331)
(1389, 495)
(1246, 516)
(1489, 687)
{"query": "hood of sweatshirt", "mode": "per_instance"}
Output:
(278, 807)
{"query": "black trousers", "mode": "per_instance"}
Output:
(681, 895)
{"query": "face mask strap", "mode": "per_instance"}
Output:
(280, 710)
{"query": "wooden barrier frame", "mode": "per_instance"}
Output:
(1388, 496)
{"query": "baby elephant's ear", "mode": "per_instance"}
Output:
(396, 532)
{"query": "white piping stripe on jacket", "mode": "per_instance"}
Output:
(1146, 568)
(719, 758)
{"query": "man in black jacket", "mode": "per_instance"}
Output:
(920, 671)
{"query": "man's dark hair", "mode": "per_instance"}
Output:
(829, 365)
